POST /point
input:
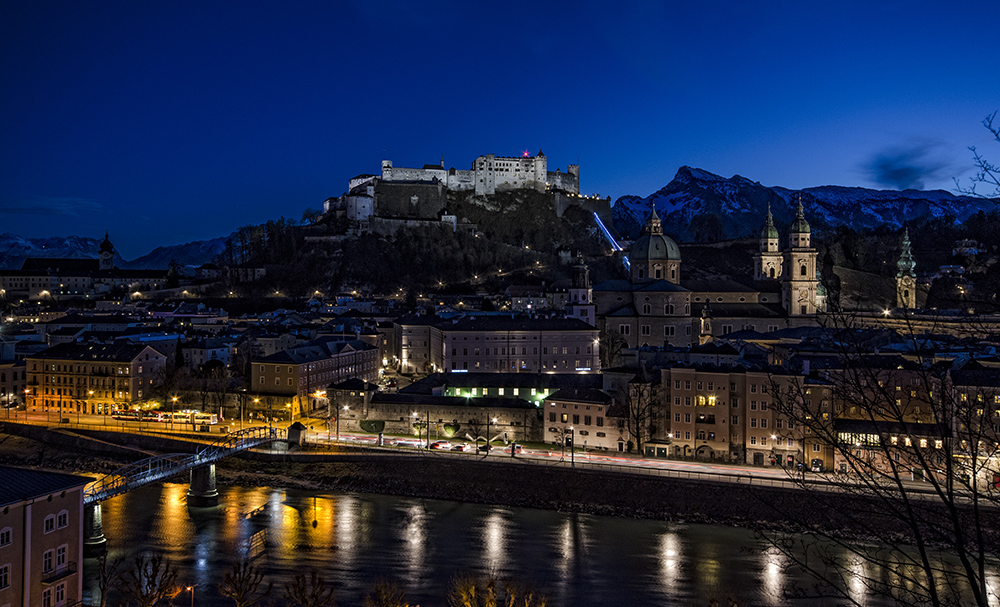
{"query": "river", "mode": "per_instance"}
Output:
(355, 539)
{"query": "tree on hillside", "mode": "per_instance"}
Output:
(914, 444)
(987, 173)
(610, 344)
(309, 591)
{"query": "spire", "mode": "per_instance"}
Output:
(653, 224)
(905, 266)
(106, 246)
(769, 230)
(442, 160)
(800, 225)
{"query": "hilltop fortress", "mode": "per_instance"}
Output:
(402, 196)
(491, 174)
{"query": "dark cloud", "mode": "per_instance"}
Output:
(908, 167)
(51, 205)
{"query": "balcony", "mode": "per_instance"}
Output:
(50, 577)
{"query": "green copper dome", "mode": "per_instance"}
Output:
(769, 230)
(653, 245)
(800, 225)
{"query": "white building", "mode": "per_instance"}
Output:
(491, 174)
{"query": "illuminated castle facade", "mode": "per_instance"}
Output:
(491, 174)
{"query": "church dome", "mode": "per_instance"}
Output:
(655, 247)
(769, 231)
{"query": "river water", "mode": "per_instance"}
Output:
(355, 539)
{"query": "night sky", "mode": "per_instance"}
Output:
(166, 122)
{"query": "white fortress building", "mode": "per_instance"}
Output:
(491, 174)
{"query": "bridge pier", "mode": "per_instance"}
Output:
(94, 542)
(202, 493)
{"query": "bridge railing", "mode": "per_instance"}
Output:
(162, 467)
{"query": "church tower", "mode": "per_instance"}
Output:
(705, 328)
(581, 295)
(798, 276)
(906, 277)
(106, 256)
(768, 258)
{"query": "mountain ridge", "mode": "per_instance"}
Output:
(699, 205)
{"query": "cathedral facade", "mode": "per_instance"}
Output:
(656, 306)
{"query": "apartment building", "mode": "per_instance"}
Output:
(96, 379)
(41, 537)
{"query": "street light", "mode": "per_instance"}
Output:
(173, 406)
(488, 420)
(256, 401)
(191, 590)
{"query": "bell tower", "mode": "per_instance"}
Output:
(798, 277)
(106, 256)
(906, 276)
(581, 295)
(768, 258)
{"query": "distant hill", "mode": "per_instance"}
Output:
(13, 250)
(698, 205)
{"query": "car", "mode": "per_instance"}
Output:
(485, 447)
(518, 449)
(441, 444)
(463, 447)
(410, 443)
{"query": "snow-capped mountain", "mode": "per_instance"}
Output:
(698, 201)
(14, 248)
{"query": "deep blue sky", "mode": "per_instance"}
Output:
(166, 122)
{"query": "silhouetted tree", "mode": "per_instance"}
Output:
(243, 584)
(151, 582)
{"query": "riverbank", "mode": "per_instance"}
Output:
(496, 481)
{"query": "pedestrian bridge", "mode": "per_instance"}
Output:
(162, 467)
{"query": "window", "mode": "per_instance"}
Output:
(815, 447)
(552, 416)
(600, 424)
(50, 523)
(668, 331)
(736, 420)
(47, 560)
(47, 597)
(61, 593)
(677, 417)
(753, 422)
(586, 420)
(753, 440)
(62, 520)
(687, 418)
(565, 418)
(5, 536)
(644, 330)
(624, 329)
(763, 422)
(4, 576)
(61, 556)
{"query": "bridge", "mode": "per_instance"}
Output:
(154, 469)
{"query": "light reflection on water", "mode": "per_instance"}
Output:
(577, 560)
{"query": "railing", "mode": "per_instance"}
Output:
(48, 577)
(162, 467)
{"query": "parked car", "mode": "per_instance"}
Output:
(484, 448)
(463, 447)
(441, 444)
(518, 449)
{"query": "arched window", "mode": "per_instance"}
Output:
(668, 309)
(646, 309)
(642, 274)
(659, 272)
(802, 271)
(772, 272)
(673, 273)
